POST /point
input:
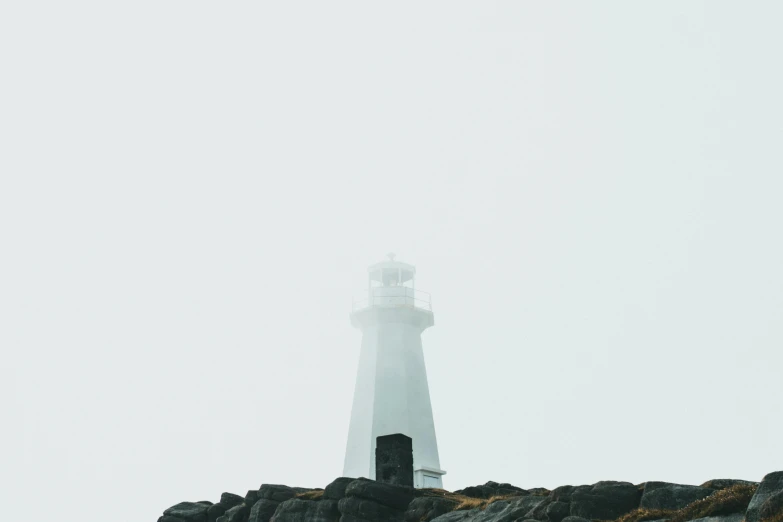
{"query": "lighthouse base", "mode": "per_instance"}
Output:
(428, 478)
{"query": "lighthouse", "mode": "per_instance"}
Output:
(391, 394)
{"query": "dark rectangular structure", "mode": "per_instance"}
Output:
(394, 459)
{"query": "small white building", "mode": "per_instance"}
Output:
(391, 394)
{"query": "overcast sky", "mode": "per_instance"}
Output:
(190, 194)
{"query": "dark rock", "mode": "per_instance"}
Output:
(215, 512)
(205, 502)
(664, 495)
(367, 500)
(230, 500)
(528, 503)
(491, 489)
(541, 492)
(345, 517)
(771, 485)
(336, 489)
(424, 509)
(269, 498)
(575, 519)
(237, 513)
(165, 518)
(251, 498)
(227, 501)
(507, 511)
(557, 511)
(394, 459)
(719, 484)
(188, 511)
(516, 509)
(604, 500)
(276, 492)
(564, 493)
(390, 495)
(297, 510)
(458, 516)
(492, 512)
(556, 505)
(538, 512)
(354, 508)
(474, 492)
(773, 506)
(498, 511)
(263, 510)
(736, 517)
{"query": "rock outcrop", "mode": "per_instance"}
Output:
(489, 490)
(227, 501)
(270, 496)
(336, 489)
(367, 501)
(298, 510)
(719, 484)
(664, 495)
(363, 500)
(188, 511)
(235, 514)
(605, 500)
(505, 510)
(767, 503)
(424, 509)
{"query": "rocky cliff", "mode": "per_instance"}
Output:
(363, 500)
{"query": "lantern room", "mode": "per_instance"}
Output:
(392, 283)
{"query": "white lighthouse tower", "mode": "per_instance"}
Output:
(391, 394)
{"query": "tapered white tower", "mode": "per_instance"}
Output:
(391, 394)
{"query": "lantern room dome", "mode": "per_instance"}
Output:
(391, 272)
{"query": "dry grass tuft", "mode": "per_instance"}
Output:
(471, 503)
(434, 492)
(774, 518)
(495, 498)
(734, 499)
(481, 503)
(724, 502)
(462, 502)
(642, 514)
(316, 494)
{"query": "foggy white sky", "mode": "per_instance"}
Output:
(190, 193)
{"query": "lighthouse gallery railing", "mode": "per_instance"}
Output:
(395, 296)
